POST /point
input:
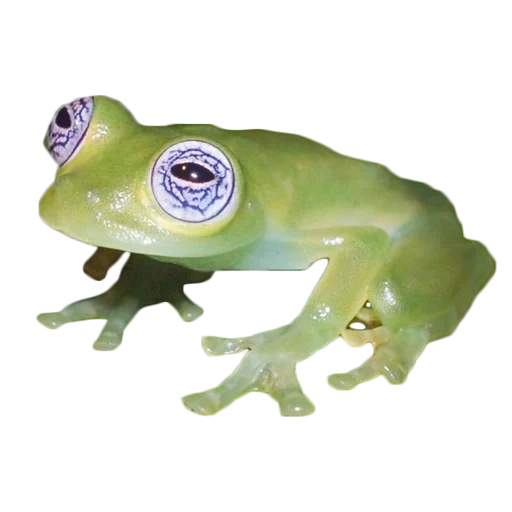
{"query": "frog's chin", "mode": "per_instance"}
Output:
(93, 228)
(112, 235)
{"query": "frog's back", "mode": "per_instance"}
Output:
(304, 184)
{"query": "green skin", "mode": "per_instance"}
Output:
(397, 259)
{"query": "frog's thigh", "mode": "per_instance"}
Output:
(432, 276)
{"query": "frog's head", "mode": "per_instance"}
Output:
(174, 191)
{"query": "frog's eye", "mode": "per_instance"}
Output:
(193, 181)
(68, 129)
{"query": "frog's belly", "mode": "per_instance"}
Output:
(276, 255)
(267, 254)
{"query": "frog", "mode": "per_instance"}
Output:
(188, 200)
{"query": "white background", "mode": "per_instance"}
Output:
(423, 87)
(507, 268)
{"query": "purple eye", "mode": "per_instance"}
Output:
(68, 129)
(194, 181)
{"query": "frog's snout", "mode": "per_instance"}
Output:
(47, 206)
(59, 204)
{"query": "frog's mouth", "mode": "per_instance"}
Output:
(126, 223)
(79, 220)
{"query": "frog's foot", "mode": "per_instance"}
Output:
(83, 309)
(216, 346)
(394, 356)
(117, 310)
(263, 369)
(124, 310)
(110, 337)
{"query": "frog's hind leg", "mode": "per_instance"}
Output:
(367, 317)
(429, 283)
(364, 328)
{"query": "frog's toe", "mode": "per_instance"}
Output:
(295, 403)
(343, 381)
(191, 313)
(51, 320)
(105, 345)
(187, 309)
(384, 362)
(108, 341)
(395, 373)
(394, 357)
(215, 346)
(205, 404)
(82, 309)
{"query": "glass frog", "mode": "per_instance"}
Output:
(188, 200)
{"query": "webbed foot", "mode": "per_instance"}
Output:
(86, 309)
(394, 356)
(118, 308)
(266, 368)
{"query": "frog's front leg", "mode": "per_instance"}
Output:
(116, 322)
(221, 346)
(112, 306)
(355, 255)
(140, 283)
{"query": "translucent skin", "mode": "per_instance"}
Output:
(397, 258)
